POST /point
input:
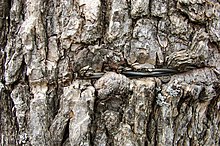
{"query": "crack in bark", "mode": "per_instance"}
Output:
(149, 111)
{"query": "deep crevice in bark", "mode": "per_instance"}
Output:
(197, 82)
(66, 133)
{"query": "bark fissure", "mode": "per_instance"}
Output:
(109, 72)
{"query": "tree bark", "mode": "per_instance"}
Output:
(47, 47)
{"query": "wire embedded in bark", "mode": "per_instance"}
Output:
(155, 72)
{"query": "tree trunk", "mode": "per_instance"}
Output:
(72, 72)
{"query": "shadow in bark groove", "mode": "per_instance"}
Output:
(66, 133)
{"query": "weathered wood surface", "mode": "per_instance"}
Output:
(45, 43)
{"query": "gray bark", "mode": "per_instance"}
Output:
(47, 46)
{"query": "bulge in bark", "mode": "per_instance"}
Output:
(112, 84)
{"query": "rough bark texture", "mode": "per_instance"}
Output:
(45, 43)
